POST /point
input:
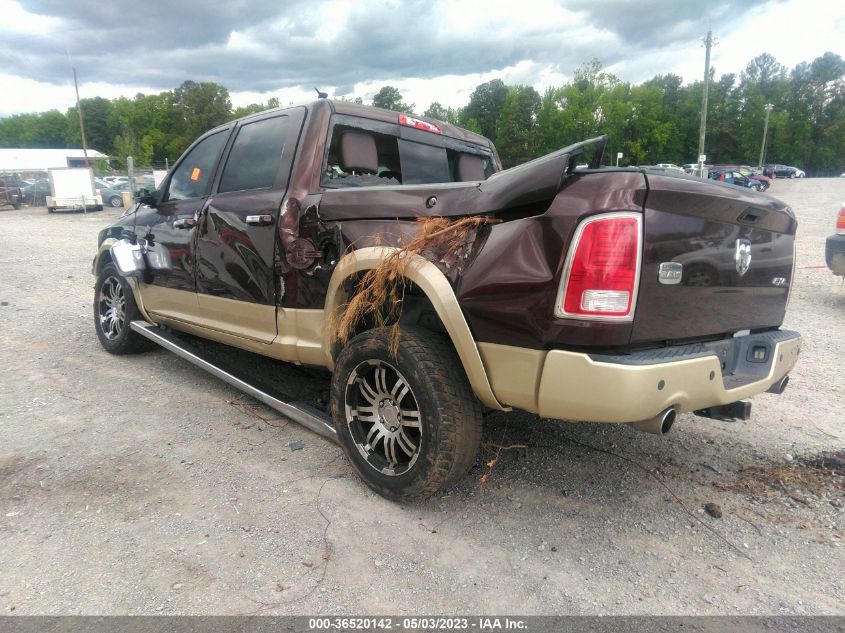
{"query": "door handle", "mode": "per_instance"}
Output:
(184, 223)
(259, 220)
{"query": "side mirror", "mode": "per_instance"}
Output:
(146, 197)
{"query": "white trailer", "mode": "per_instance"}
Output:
(73, 188)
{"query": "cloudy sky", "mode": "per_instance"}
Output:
(433, 50)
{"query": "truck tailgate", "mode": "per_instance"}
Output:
(736, 250)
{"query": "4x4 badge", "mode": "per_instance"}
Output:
(742, 256)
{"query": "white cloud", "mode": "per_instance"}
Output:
(283, 54)
(16, 19)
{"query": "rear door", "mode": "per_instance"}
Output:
(236, 236)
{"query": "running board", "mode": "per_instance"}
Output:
(306, 415)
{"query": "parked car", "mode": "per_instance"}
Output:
(733, 177)
(671, 166)
(834, 247)
(10, 196)
(35, 195)
(783, 171)
(394, 251)
(13, 181)
(748, 172)
(113, 196)
(659, 169)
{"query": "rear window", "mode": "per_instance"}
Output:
(398, 161)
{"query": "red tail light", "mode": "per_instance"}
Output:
(840, 221)
(602, 270)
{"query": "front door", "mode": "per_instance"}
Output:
(171, 227)
(236, 236)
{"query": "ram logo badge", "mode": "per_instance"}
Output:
(742, 256)
(670, 273)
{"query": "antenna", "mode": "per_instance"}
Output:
(321, 95)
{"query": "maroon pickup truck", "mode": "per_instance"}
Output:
(596, 294)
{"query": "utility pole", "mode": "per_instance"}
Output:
(768, 107)
(709, 42)
(81, 123)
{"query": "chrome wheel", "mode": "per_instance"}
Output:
(383, 417)
(111, 308)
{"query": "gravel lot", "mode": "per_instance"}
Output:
(136, 485)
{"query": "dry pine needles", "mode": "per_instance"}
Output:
(380, 293)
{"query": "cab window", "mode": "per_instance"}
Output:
(256, 154)
(369, 153)
(193, 175)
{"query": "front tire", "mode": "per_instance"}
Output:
(409, 424)
(114, 310)
(116, 201)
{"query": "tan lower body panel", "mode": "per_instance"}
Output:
(242, 324)
(245, 319)
(572, 386)
(170, 303)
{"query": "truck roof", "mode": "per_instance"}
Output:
(379, 114)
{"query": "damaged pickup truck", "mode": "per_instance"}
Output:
(395, 252)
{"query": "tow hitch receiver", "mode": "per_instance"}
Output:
(727, 412)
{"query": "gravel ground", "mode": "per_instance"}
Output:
(141, 485)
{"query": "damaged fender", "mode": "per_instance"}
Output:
(434, 284)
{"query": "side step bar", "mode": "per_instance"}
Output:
(307, 416)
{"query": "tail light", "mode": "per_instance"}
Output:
(602, 270)
(840, 221)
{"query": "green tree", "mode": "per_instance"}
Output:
(578, 110)
(203, 106)
(96, 116)
(485, 104)
(252, 108)
(41, 130)
(515, 127)
(437, 111)
(390, 98)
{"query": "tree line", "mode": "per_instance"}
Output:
(654, 121)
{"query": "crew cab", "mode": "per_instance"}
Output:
(572, 299)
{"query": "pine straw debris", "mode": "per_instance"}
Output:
(821, 476)
(380, 292)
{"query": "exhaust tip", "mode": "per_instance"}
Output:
(780, 386)
(667, 421)
(659, 424)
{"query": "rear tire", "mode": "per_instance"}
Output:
(409, 424)
(116, 201)
(114, 310)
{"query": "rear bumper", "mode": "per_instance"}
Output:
(632, 387)
(834, 254)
